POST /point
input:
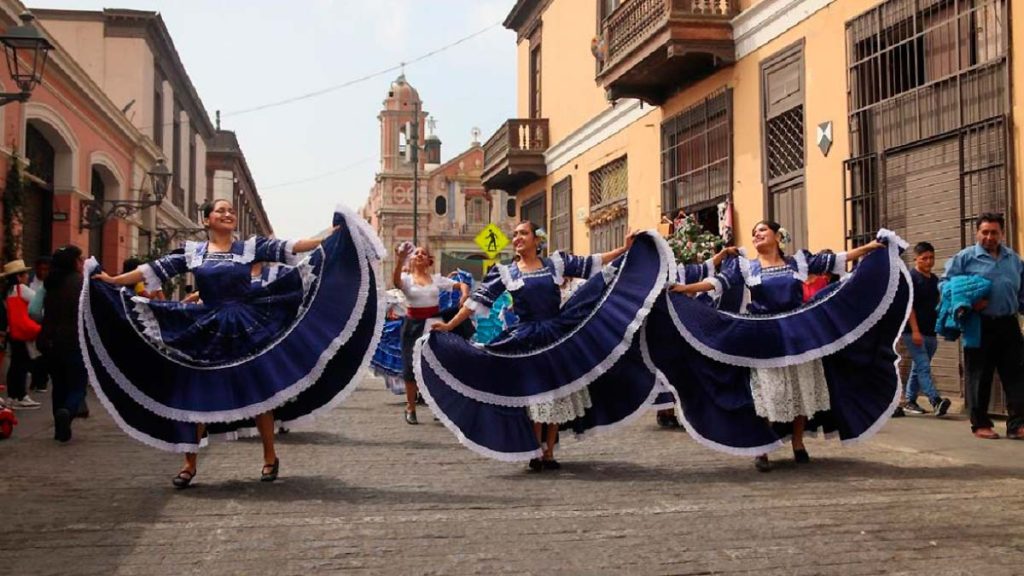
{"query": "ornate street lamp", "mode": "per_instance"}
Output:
(26, 50)
(95, 213)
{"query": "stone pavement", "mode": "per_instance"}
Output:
(364, 493)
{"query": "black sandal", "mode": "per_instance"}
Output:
(536, 465)
(800, 456)
(184, 478)
(762, 464)
(272, 474)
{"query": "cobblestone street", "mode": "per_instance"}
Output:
(364, 493)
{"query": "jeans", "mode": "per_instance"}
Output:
(67, 369)
(920, 380)
(1002, 349)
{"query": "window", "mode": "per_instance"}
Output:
(178, 197)
(604, 9)
(158, 110)
(535, 210)
(535, 78)
(609, 187)
(696, 156)
(919, 72)
(476, 211)
(192, 200)
(510, 207)
(783, 141)
(561, 215)
(440, 205)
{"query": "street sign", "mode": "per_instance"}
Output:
(491, 240)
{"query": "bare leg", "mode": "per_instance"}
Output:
(538, 430)
(798, 432)
(192, 458)
(265, 426)
(549, 448)
(410, 396)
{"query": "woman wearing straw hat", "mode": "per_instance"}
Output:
(15, 274)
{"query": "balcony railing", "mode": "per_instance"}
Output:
(649, 43)
(514, 155)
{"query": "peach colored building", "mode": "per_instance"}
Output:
(834, 117)
(78, 147)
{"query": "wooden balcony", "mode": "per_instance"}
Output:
(514, 155)
(653, 48)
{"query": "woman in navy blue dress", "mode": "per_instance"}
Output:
(288, 347)
(576, 366)
(747, 381)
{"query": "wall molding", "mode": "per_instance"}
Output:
(767, 20)
(598, 129)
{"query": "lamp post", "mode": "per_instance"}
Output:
(26, 51)
(95, 213)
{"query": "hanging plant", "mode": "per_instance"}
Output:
(606, 215)
(13, 215)
(691, 244)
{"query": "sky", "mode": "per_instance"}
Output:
(310, 155)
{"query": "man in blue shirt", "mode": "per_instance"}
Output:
(1002, 346)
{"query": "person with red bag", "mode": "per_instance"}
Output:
(21, 331)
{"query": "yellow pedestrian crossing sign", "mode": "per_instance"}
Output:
(487, 265)
(491, 240)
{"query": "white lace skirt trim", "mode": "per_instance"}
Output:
(562, 410)
(782, 394)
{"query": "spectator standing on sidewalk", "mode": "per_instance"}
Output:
(1001, 341)
(919, 335)
(16, 275)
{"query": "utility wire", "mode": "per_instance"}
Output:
(348, 83)
(361, 79)
(320, 176)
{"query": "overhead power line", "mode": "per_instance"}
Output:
(348, 83)
(361, 79)
(320, 176)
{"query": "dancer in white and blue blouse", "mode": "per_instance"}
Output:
(747, 381)
(577, 366)
(250, 352)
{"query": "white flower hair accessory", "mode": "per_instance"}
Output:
(542, 239)
(784, 237)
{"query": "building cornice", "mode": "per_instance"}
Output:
(74, 74)
(525, 16)
(769, 19)
(150, 26)
(600, 128)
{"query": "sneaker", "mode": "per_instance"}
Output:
(941, 406)
(913, 408)
(898, 412)
(26, 403)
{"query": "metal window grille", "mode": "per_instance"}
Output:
(785, 143)
(609, 183)
(696, 155)
(609, 188)
(561, 215)
(919, 71)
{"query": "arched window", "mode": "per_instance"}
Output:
(440, 205)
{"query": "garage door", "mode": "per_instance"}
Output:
(923, 205)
